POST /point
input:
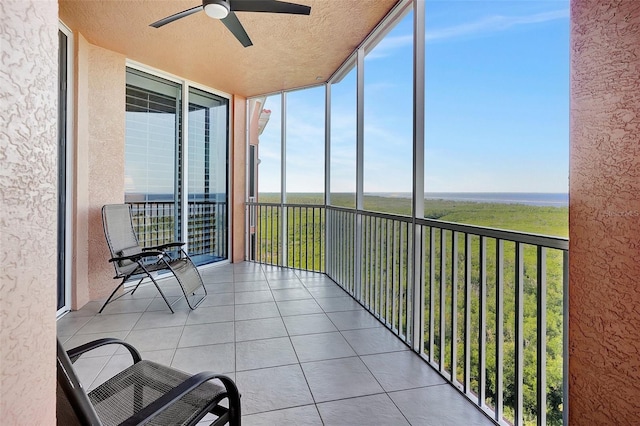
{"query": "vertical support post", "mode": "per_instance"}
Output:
(359, 172)
(283, 180)
(417, 203)
(182, 180)
(328, 264)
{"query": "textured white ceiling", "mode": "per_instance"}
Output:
(289, 50)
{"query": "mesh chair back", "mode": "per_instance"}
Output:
(73, 404)
(121, 238)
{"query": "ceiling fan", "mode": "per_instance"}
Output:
(224, 10)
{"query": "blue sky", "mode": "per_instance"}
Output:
(496, 114)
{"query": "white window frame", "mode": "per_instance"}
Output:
(186, 85)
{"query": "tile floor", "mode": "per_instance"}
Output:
(301, 351)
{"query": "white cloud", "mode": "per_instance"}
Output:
(493, 24)
(489, 24)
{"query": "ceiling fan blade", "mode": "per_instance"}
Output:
(179, 15)
(236, 28)
(271, 6)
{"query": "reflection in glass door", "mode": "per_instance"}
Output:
(207, 171)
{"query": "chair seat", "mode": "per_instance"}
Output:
(139, 385)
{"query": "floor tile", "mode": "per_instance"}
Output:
(335, 304)
(249, 277)
(298, 307)
(102, 323)
(308, 324)
(153, 339)
(253, 297)
(264, 353)
(256, 311)
(288, 283)
(218, 299)
(225, 287)
(202, 315)
(158, 304)
(290, 294)
(217, 358)
(125, 306)
(339, 378)
(306, 415)
(251, 286)
(156, 319)
(327, 291)
(68, 326)
(368, 341)
(365, 410)
(401, 370)
(206, 334)
(280, 353)
(269, 389)
(315, 347)
(438, 405)
(351, 320)
(264, 328)
(115, 365)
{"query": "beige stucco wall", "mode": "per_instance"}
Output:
(604, 210)
(28, 173)
(99, 165)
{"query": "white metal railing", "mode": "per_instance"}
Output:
(487, 308)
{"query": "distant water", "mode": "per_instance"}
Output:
(527, 198)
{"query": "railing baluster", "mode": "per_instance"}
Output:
(499, 329)
(454, 306)
(443, 291)
(482, 337)
(432, 285)
(541, 388)
(519, 335)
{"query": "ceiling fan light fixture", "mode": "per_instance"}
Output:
(217, 9)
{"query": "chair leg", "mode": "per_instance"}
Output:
(112, 294)
(137, 285)
(162, 294)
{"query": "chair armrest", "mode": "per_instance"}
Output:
(76, 352)
(137, 256)
(169, 398)
(161, 247)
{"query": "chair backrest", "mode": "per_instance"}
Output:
(73, 404)
(120, 235)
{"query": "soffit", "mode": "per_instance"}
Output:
(288, 51)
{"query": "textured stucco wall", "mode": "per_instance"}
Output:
(100, 133)
(604, 334)
(28, 173)
(239, 156)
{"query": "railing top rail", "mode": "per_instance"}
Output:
(558, 243)
(154, 202)
(316, 206)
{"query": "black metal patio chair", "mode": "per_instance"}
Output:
(132, 261)
(144, 393)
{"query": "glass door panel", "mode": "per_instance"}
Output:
(207, 172)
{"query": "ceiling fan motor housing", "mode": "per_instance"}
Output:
(218, 9)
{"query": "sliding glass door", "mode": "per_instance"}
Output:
(208, 171)
(175, 180)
